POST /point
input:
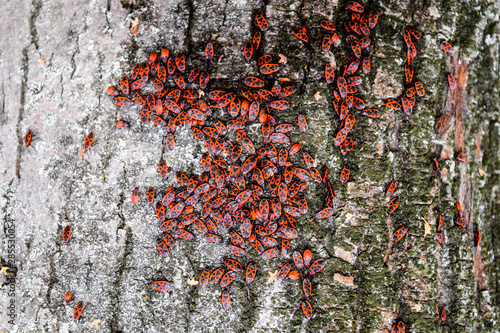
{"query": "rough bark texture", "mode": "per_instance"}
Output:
(57, 60)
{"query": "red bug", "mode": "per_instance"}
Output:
(179, 80)
(113, 91)
(170, 142)
(169, 240)
(236, 239)
(446, 47)
(410, 92)
(180, 62)
(27, 138)
(269, 68)
(477, 238)
(324, 213)
(124, 85)
(409, 71)
(419, 87)
(279, 105)
(297, 259)
(226, 300)
(121, 101)
(294, 149)
(150, 195)
(256, 40)
(327, 25)
(66, 234)
(212, 238)
(216, 275)
(176, 210)
(307, 309)
(329, 73)
(345, 173)
(88, 142)
(301, 34)
(204, 276)
(366, 65)
(407, 107)
(302, 123)
(227, 279)
(162, 248)
(451, 82)
(161, 285)
(160, 211)
(204, 77)
(317, 266)
(284, 270)
(327, 43)
(183, 234)
(285, 246)
(398, 328)
(237, 251)
(307, 257)
(393, 205)
(460, 221)
(251, 271)
(342, 86)
(269, 254)
(194, 74)
(307, 287)
(78, 311)
(443, 316)
(135, 196)
(253, 82)
(390, 189)
(163, 169)
(233, 265)
(462, 156)
(440, 237)
(265, 59)
(122, 124)
(414, 32)
(398, 234)
(439, 222)
(294, 275)
(261, 21)
(164, 55)
(392, 104)
(209, 51)
(287, 91)
(355, 7)
(248, 51)
(67, 298)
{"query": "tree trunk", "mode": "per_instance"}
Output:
(57, 60)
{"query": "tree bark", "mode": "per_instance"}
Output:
(57, 60)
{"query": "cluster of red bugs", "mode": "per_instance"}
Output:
(358, 29)
(407, 99)
(459, 219)
(248, 193)
(251, 194)
(446, 47)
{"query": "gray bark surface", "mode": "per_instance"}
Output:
(57, 59)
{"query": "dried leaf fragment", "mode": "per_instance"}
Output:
(272, 276)
(317, 96)
(96, 322)
(427, 228)
(192, 282)
(134, 28)
(282, 59)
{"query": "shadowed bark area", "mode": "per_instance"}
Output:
(57, 60)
